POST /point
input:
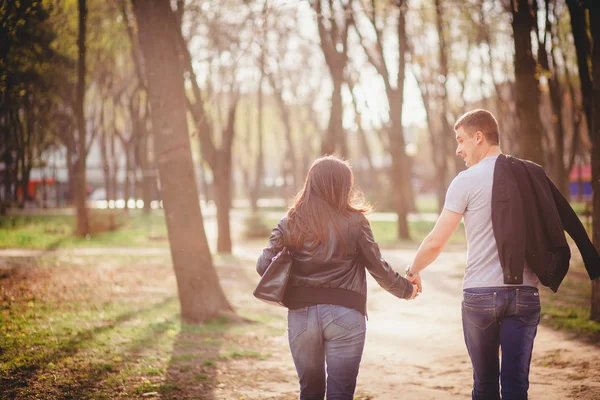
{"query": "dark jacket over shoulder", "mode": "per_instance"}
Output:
(331, 274)
(529, 217)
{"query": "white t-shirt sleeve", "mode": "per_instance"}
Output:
(457, 195)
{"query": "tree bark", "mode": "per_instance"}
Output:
(527, 92)
(336, 59)
(401, 176)
(400, 170)
(583, 48)
(223, 183)
(80, 186)
(557, 160)
(200, 293)
(289, 160)
(259, 168)
(127, 182)
(595, 135)
(213, 155)
(447, 141)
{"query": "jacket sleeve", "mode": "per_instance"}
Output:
(576, 230)
(276, 244)
(383, 273)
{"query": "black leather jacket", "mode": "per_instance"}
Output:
(330, 275)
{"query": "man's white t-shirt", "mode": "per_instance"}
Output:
(470, 194)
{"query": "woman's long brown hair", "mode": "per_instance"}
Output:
(328, 192)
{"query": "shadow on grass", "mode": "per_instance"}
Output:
(192, 369)
(84, 379)
(54, 245)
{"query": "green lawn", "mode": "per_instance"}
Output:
(138, 230)
(56, 231)
(98, 328)
(569, 308)
(386, 232)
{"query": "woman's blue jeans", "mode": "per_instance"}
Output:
(329, 335)
(500, 318)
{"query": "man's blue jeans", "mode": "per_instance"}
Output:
(505, 318)
(329, 334)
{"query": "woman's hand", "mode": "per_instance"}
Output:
(415, 293)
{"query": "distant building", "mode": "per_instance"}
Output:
(580, 182)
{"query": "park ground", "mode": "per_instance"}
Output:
(97, 319)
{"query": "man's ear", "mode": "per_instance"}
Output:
(479, 137)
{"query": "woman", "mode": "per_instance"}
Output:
(331, 241)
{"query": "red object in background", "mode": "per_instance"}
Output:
(586, 173)
(33, 183)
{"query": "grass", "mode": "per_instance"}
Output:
(57, 231)
(386, 232)
(97, 329)
(569, 308)
(138, 230)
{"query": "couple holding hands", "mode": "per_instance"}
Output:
(512, 247)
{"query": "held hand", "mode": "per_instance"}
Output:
(416, 280)
(414, 294)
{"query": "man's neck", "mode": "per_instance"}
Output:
(493, 151)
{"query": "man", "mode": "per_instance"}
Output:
(501, 305)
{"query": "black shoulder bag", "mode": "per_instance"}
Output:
(273, 283)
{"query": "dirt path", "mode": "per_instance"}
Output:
(414, 349)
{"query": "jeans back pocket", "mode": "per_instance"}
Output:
(347, 318)
(479, 309)
(297, 323)
(528, 306)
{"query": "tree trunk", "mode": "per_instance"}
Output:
(148, 177)
(400, 173)
(112, 195)
(223, 203)
(289, 160)
(334, 44)
(70, 175)
(255, 187)
(370, 176)
(28, 139)
(527, 92)
(557, 160)
(595, 134)
(583, 48)
(447, 141)
(203, 181)
(401, 176)
(127, 183)
(200, 293)
(83, 227)
(335, 139)
(223, 183)
(103, 144)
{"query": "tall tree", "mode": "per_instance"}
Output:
(586, 36)
(594, 15)
(448, 142)
(217, 156)
(334, 23)
(547, 61)
(583, 47)
(83, 225)
(526, 82)
(400, 170)
(200, 293)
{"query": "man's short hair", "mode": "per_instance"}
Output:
(480, 120)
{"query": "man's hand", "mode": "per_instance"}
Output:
(414, 294)
(416, 280)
